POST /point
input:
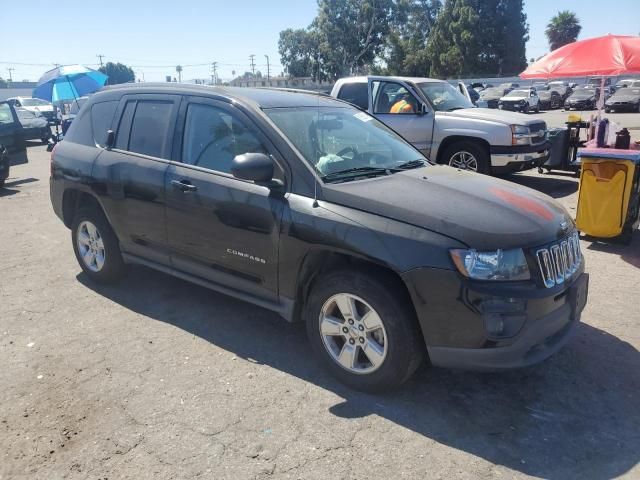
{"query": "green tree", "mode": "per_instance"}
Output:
(351, 34)
(563, 28)
(405, 51)
(3, 83)
(117, 73)
(454, 43)
(299, 52)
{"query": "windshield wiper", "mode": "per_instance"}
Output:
(411, 164)
(454, 108)
(357, 170)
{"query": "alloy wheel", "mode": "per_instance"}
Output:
(464, 161)
(353, 333)
(90, 246)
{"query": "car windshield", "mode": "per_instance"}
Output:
(33, 102)
(585, 91)
(444, 97)
(344, 140)
(628, 92)
(518, 93)
(5, 113)
(25, 114)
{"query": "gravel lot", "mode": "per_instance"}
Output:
(158, 378)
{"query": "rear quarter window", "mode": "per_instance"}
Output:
(101, 118)
(355, 93)
(80, 130)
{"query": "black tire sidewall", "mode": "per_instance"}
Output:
(114, 267)
(482, 157)
(404, 341)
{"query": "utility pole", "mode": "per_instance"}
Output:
(100, 56)
(214, 77)
(253, 65)
(10, 69)
(268, 71)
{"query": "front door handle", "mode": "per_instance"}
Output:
(184, 185)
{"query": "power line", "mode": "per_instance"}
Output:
(253, 65)
(268, 71)
(100, 56)
(10, 69)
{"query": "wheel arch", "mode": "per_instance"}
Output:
(75, 199)
(320, 262)
(448, 141)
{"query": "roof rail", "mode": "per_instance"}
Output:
(295, 90)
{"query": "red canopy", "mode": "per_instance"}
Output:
(608, 55)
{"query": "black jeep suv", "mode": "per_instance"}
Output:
(311, 208)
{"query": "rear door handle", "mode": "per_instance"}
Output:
(184, 185)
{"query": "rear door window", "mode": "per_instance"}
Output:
(355, 93)
(150, 127)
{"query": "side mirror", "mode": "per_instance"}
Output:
(257, 168)
(423, 109)
(110, 141)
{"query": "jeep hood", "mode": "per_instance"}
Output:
(483, 212)
(491, 115)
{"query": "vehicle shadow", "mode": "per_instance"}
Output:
(552, 185)
(18, 157)
(7, 189)
(629, 253)
(574, 416)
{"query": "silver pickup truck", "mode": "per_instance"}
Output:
(442, 123)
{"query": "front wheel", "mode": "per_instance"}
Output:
(96, 246)
(364, 330)
(467, 156)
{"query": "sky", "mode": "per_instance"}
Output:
(155, 36)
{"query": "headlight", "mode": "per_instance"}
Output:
(501, 265)
(520, 135)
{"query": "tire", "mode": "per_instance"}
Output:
(538, 108)
(607, 110)
(525, 109)
(398, 345)
(479, 154)
(104, 264)
(2, 182)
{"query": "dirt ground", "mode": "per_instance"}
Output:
(158, 378)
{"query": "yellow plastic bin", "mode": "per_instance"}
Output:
(609, 195)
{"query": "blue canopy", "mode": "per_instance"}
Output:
(68, 82)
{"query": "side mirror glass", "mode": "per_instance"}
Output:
(423, 109)
(255, 167)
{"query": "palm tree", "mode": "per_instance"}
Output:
(562, 29)
(179, 71)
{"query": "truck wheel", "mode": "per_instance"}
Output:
(363, 330)
(467, 156)
(525, 109)
(96, 246)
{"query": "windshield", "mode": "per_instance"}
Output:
(5, 113)
(33, 102)
(444, 97)
(518, 93)
(337, 139)
(628, 92)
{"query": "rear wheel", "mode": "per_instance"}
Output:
(467, 156)
(363, 330)
(96, 246)
(525, 109)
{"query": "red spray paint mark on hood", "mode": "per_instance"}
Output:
(526, 203)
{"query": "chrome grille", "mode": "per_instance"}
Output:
(560, 261)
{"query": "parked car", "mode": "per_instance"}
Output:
(521, 100)
(74, 108)
(509, 85)
(625, 99)
(446, 127)
(549, 99)
(34, 127)
(312, 208)
(597, 81)
(562, 88)
(37, 106)
(493, 95)
(584, 97)
(5, 165)
(539, 87)
(10, 128)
